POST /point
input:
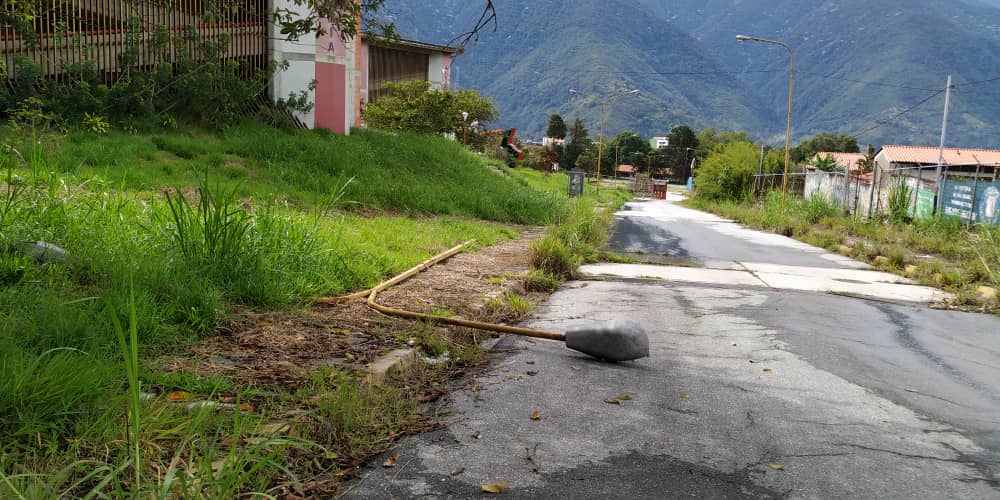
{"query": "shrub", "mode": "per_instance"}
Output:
(551, 255)
(727, 173)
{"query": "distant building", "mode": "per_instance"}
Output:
(659, 142)
(553, 141)
(625, 170)
(346, 75)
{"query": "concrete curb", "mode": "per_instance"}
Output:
(393, 362)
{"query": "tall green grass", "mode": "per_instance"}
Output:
(175, 262)
(411, 173)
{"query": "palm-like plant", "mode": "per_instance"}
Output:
(825, 163)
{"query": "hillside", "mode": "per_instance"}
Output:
(857, 66)
(905, 49)
(541, 50)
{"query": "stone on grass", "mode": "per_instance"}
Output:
(987, 293)
(882, 260)
(42, 252)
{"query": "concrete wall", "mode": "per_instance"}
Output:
(301, 57)
(829, 185)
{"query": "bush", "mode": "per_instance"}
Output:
(727, 173)
(551, 255)
(413, 107)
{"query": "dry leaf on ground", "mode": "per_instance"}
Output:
(776, 466)
(612, 401)
(179, 396)
(684, 395)
(495, 487)
(535, 415)
(391, 461)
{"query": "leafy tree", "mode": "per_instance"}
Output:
(587, 160)
(826, 163)
(678, 155)
(626, 147)
(556, 128)
(711, 139)
(727, 173)
(412, 107)
(826, 142)
(578, 143)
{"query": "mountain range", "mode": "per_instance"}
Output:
(872, 69)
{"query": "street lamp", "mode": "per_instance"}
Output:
(465, 117)
(791, 87)
(600, 135)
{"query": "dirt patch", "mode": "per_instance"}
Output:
(284, 348)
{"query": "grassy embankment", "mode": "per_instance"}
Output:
(260, 219)
(941, 252)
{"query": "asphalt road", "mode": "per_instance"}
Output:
(751, 391)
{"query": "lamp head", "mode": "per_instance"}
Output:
(742, 38)
(634, 91)
(465, 115)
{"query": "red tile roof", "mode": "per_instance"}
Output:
(929, 155)
(626, 169)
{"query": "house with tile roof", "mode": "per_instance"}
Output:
(968, 174)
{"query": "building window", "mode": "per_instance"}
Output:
(393, 65)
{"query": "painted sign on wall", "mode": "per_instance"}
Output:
(976, 202)
(924, 204)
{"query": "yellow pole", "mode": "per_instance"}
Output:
(788, 127)
(600, 148)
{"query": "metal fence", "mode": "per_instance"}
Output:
(968, 192)
(762, 183)
(100, 32)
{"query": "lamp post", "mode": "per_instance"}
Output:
(465, 118)
(791, 87)
(600, 135)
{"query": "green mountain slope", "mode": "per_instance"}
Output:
(540, 50)
(904, 48)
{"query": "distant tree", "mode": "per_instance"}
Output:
(710, 139)
(556, 128)
(623, 149)
(587, 160)
(578, 143)
(683, 144)
(825, 142)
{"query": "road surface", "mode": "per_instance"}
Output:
(761, 384)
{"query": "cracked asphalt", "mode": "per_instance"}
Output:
(749, 392)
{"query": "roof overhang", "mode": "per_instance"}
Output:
(409, 45)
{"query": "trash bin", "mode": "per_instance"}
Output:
(660, 190)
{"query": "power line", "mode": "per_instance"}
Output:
(882, 123)
(978, 82)
(880, 84)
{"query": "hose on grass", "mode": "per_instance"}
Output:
(372, 294)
